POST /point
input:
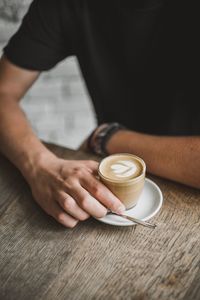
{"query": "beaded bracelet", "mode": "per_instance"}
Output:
(99, 137)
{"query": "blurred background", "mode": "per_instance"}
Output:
(58, 105)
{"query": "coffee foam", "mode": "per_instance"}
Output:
(121, 167)
(124, 168)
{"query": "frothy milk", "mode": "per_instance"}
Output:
(124, 168)
(121, 167)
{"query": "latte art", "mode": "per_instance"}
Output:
(121, 167)
(124, 168)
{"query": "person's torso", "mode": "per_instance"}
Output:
(139, 61)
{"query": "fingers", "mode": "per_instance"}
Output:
(77, 194)
(92, 166)
(70, 206)
(77, 168)
(87, 202)
(63, 218)
(102, 193)
(59, 192)
(90, 194)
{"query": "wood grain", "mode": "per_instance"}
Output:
(40, 259)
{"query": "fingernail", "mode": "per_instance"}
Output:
(120, 209)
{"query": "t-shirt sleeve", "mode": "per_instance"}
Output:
(44, 38)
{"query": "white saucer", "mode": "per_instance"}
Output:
(148, 206)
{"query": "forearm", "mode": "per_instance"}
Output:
(17, 140)
(175, 158)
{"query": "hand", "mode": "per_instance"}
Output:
(69, 191)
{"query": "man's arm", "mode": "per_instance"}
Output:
(66, 190)
(175, 158)
(17, 140)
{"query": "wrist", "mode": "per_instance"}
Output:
(29, 164)
(99, 138)
(121, 141)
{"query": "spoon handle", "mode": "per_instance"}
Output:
(146, 224)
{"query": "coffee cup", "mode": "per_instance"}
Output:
(124, 175)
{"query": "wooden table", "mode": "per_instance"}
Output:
(40, 259)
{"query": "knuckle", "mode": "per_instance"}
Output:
(101, 213)
(78, 172)
(114, 207)
(67, 203)
(97, 191)
(68, 185)
(112, 204)
(61, 218)
(93, 162)
(84, 217)
(85, 203)
(72, 224)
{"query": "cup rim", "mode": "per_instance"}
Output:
(130, 180)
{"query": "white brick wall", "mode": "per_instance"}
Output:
(58, 105)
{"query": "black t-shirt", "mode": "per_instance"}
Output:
(139, 58)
